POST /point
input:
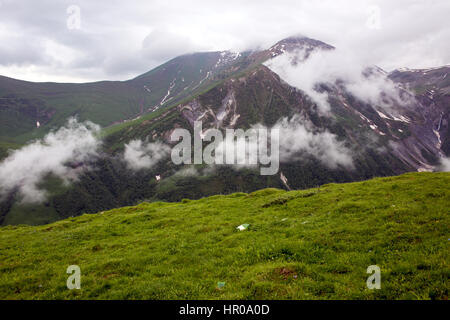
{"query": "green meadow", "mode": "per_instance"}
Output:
(307, 244)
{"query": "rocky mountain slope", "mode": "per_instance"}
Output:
(355, 139)
(29, 110)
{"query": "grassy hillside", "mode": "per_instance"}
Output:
(22, 104)
(310, 244)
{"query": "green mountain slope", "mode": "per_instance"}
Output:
(23, 103)
(227, 90)
(311, 244)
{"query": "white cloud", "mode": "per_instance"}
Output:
(187, 172)
(111, 42)
(61, 153)
(298, 136)
(161, 44)
(331, 66)
(140, 155)
(445, 165)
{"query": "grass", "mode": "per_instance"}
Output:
(106, 103)
(310, 244)
(5, 147)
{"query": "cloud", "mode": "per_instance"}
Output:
(20, 51)
(445, 165)
(162, 44)
(111, 41)
(62, 153)
(188, 171)
(141, 155)
(299, 137)
(339, 66)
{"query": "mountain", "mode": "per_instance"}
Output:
(419, 130)
(432, 90)
(310, 244)
(235, 90)
(24, 104)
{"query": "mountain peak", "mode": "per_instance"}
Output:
(297, 42)
(300, 40)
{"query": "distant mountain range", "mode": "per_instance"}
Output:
(225, 90)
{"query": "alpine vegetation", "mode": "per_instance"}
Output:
(225, 154)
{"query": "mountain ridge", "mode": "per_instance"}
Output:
(243, 93)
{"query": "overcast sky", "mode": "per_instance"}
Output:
(45, 41)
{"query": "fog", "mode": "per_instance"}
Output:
(143, 155)
(445, 165)
(366, 82)
(298, 136)
(62, 153)
(51, 41)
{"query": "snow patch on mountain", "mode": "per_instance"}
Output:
(166, 97)
(307, 70)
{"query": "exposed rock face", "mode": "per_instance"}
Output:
(404, 137)
(415, 133)
(236, 90)
(430, 131)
